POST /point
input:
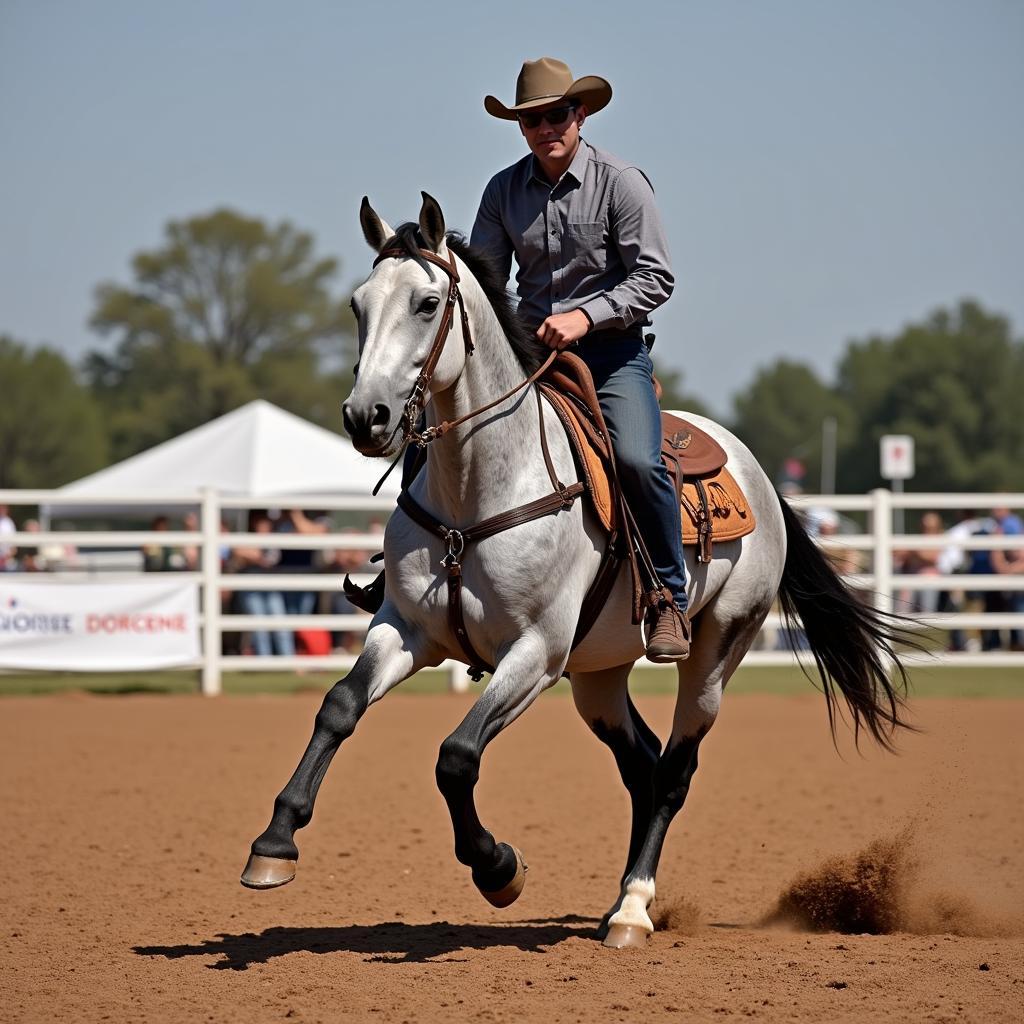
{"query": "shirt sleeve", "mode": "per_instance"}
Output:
(489, 232)
(639, 238)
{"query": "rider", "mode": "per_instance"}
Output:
(592, 264)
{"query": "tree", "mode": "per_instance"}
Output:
(228, 309)
(954, 383)
(780, 416)
(51, 430)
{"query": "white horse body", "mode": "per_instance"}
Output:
(523, 588)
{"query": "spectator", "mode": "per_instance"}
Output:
(340, 562)
(6, 551)
(300, 602)
(155, 557)
(1010, 562)
(30, 559)
(954, 559)
(262, 602)
(979, 563)
(924, 562)
(823, 523)
(191, 552)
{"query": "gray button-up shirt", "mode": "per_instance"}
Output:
(593, 241)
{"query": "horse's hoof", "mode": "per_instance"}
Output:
(510, 893)
(267, 872)
(626, 936)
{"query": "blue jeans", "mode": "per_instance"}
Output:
(267, 602)
(622, 371)
(300, 602)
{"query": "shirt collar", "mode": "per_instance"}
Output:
(576, 170)
(578, 167)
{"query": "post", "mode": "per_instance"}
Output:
(828, 455)
(898, 517)
(881, 525)
(458, 679)
(210, 521)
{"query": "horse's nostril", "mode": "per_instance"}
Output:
(381, 415)
(346, 419)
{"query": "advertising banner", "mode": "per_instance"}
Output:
(90, 627)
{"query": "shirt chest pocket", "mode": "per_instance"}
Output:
(586, 245)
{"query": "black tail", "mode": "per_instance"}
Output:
(852, 643)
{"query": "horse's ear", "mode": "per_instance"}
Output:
(431, 222)
(375, 231)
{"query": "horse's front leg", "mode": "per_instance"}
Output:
(393, 652)
(520, 676)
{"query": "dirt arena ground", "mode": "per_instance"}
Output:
(126, 822)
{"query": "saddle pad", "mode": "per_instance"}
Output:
(588, 459)
(731, 515)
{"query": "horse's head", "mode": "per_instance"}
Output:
(405, 309)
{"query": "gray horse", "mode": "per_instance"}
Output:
(522, 589)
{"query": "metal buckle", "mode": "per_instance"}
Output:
(421, 440)
(456, 545)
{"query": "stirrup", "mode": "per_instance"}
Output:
(368, 598)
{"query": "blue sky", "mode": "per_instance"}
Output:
(825, 170)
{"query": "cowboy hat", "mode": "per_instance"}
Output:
(544, 81)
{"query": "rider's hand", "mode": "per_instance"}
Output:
(560, 330)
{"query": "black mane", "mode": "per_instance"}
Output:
(484, 267)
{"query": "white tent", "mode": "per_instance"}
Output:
(257, 451)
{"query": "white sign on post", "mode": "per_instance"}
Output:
(92, 627)
(897, 452)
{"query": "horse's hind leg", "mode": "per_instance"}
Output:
(602, 699)
(717, 650)
(520, 676)
(392, 653)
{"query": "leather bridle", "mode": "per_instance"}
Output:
(418, 397)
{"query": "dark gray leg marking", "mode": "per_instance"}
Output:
(458, 769)
(672, 779)
(636, 756)
(335, 721)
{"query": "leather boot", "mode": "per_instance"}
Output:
(668, 633)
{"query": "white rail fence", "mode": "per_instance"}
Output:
(881, 583)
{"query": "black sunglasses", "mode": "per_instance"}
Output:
(555, 117)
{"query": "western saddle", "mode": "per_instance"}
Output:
(716, 509)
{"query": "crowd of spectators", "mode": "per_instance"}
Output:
(20, 558)
(266, 559)
(241, 560)
(954, 559)
(950, 559)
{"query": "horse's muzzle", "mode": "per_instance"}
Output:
(370, 425)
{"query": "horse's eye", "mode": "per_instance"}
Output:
(429, 304)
